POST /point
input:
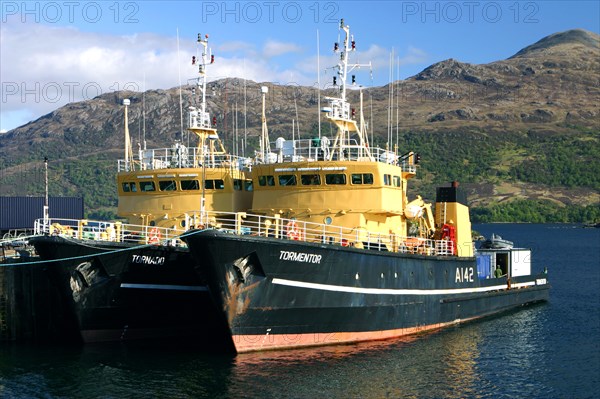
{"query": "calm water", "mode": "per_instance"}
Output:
(545, 351)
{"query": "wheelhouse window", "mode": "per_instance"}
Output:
(248, 185)
(219, 184)
(268, 180)
(387, 180)
(397, 181)
(216, 184)
(335, 178)
(362, 178)
(147, 186)
(237, 184)
(188, 185)
(167, 185)
(287, 180)
(310, 180)
(129, 187)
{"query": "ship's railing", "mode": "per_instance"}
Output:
(94, 230)
(297, 230)
(242, 223)
(320, 148)
(313, 149)
(180, 156)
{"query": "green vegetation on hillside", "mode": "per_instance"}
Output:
(562, 161)
(556, 161)
(535, 211)
(553, 160)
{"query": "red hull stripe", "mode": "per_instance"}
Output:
(250, 343)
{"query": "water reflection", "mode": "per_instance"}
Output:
(543, 351)
(459, 362)
(394, 368)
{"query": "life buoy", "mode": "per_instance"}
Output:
(154, 236)
(292, 230)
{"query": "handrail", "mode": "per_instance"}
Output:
(300, 230)
(94, 230)
(182, 157)
(242, 223)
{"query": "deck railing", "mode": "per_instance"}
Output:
(291, 229)
(94, 230)
(320, 148)
(181, 157)
(241, 223)
(287, 151)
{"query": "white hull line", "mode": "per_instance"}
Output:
(387, 291)
(165, 287)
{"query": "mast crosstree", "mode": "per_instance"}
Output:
(338, 110)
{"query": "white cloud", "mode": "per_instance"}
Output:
(237, 47)
(45, 67)
(273, 48)
(414, 56)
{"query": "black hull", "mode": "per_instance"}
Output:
(282, 293)
(120, 291)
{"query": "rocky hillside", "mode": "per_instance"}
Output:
(493, 123)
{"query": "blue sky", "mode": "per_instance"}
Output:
(52, 53)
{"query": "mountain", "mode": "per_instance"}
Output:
(562, 41)
(526, 127)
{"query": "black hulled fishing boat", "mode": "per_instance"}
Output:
(325, 256)
(136, 279)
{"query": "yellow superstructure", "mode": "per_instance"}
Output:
(175, 187)
(345, 183)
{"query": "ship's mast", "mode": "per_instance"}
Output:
(339, 111)
(209, 144)
(128, 147)
(200, 123)
(264, 138)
